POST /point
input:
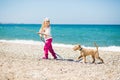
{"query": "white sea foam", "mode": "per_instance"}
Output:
(109, 48)
(22, 41)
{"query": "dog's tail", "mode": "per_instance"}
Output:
(96, 45)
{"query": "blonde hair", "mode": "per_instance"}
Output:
(43, 26)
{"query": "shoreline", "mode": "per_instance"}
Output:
(23, 62)
(31, 42)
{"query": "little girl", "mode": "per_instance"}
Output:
(45, 32)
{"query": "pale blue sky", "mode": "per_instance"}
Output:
(60, 11)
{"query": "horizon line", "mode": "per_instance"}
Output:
(64, 23)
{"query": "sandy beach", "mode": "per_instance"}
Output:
(23, 62)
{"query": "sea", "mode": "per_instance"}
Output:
(106, 36)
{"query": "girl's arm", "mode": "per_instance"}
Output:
(42, 33)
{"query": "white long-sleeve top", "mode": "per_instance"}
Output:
(47, 31)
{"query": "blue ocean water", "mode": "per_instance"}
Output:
(103, 35)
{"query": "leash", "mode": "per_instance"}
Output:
(41, 38)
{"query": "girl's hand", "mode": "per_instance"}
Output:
(42, 34)
(38, 33)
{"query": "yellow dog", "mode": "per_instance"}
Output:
(85, 52)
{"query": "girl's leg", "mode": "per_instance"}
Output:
(46, 48)
(51, 50)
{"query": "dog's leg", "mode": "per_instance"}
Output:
(100, 59)
(97, 56)
(80, 57)
(84, 58)
(93, 59)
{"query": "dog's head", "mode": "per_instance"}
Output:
(77, 47)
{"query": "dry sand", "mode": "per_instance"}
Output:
(22, 62)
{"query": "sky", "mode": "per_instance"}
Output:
(60, 11)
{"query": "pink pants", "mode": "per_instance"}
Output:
(48, 47)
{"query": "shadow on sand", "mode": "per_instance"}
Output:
(79, 61)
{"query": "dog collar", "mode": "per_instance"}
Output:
(80, 49)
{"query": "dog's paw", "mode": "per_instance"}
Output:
(100, 63)
(76, 60)
(84, 62)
